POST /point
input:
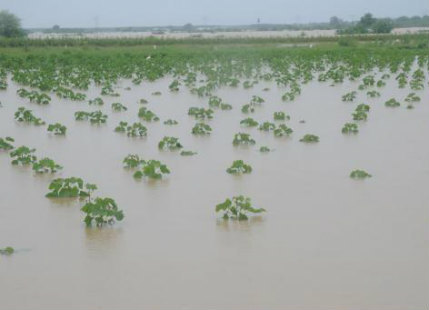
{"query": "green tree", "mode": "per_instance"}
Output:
(10, 25)
(382, 26)
(367, 20)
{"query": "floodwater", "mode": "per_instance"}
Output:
(208, 35)
(326, 241)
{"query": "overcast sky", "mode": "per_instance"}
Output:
(109, 13)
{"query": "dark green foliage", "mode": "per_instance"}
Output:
(350, 128)
(392, 103)
(412, 97)
(282, 130)
(96, 117)
(169, 143)
(5, 144)
(308, 138)
(171, 122)
(34, 96)
(349, 96)
(23, 155)
(102, 211)
(134, 130)
(360, 116)
(267, 126)
(7, 251)
(237, 208)
(188, 153)
(118, 107)
(359, 174)
(26, 116)
(46, 165)
(201, 129)
(239, 167)
(152, 169)
(96, 101)
(264, 149)
(242, 139)
(57, 129)
(249, 122)
(132, 161)
(174, 86)
(67, 188)
(281, 116)
(200, 113)
(373, 94)
(147, 115)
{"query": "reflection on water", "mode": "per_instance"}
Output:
(233, 225)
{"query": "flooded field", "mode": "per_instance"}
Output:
(326, 241)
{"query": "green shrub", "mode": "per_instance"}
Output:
(350, 128)
(308, 138)
(242, 139)
(67, 188)
(23, 155)
(46, 165)
(57, 129)
(359, 174)
(5, 144)
(169, 143)
(26, 116)
(152, 169)
(237, 208)
(201, 129)
(239, 167)
(102, 211)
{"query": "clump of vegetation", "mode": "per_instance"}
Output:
(132, 161)
(201, 129)
(282, 130)
(392, 103)
(171, 122)
(359, 174)
(264, 149)
(267, 126)
(174, 86)
(102, 211)
(7, 251)
(96, 101)
(26, 116)
(363, 107)
(156, 93)
(23, 155)
(247, 108)
(309, 138)
(349, 96)
(200, 113)
(360, 116)
(412, 97)
(281, 116)
(169, 143)
(134, 130)
(249, 122)
(373, 94)
(96, 117)
(57, 129)
(350, 128)
(237, 208)
(67, 188)
(188, 153)
(239, 167)
(147, 115)
(118, 107)
(5, 144)
(242, 139)
(46, 165)
(152, 169)
(143, 101)
(34, 96)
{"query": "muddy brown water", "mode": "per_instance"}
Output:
(326, 242)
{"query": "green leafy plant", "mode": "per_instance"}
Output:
(412, 97)
(359, 174)
(239, 167)
(118, 107)
(188, 153)
(309, 138)
(7, 251)
(247, 108)
(152, 169)
(57, 129)
(237, 208)
(174, 86)
(350, 128)
(360, 116)
(156, 93)
(267, 126)
(171, 122)
(96, 101)
(249, 122)
(200, 113)
(147, 115)
(281, 116)
(102, 211)
(373, 94)
(46, 165)
(5, 144)
(169, 143)
(96, 117)
(134, 130)
(351, 96)
(362, 108)
(242, 139)
(132, 161)
(282, 130)
(23, 155)
(264, 149)
(67, 188)
(392, 103)
(26, 116)
(201, 129)
(143, 101)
